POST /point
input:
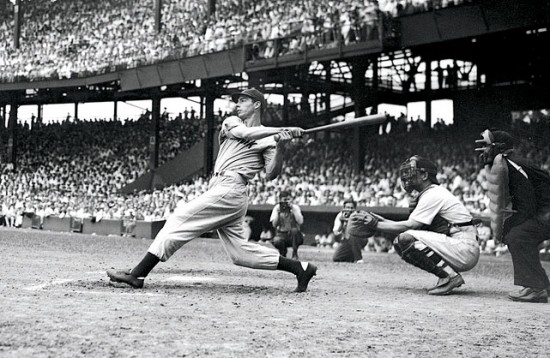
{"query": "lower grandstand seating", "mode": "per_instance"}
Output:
(75, 169)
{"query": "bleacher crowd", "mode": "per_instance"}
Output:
(78, 168)
(67, 38)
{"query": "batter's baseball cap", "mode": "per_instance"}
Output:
(251, 93)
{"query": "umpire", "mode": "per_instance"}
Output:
(521, 194)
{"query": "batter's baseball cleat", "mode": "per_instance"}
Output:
(446, 288)
(305, 277)
(528, 294)
(124, 277)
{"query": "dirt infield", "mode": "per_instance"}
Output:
(56, 302)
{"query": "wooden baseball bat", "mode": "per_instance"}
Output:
(352, 123)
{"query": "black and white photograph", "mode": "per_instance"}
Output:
(274, 178)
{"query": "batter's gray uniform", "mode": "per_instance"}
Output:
(224, 205)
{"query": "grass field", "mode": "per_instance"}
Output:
(56, 302)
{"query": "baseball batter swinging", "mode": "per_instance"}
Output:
(246, 147)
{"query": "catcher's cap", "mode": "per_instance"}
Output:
(424, 164)
(251, 93)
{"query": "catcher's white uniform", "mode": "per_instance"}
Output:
(460, 249)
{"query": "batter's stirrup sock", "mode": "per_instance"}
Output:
(289, 265)
(145, 266)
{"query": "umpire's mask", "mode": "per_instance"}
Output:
(493, 143)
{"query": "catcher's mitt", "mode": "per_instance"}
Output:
(361, 224)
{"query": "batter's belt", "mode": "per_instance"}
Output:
(230, 173)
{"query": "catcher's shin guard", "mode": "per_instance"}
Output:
(397, 246)
(419, 255)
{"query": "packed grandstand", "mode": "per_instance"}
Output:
(67, 38)
(77, 168)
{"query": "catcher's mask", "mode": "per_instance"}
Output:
(410, 170)
(492, 144)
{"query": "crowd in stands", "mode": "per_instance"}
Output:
(96, 158)
(76, 168)
(67, 38)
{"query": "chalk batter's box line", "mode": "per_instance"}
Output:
(59, 282)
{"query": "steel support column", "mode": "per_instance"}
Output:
(286, 102)
(158, 15)
(154, 134)
(17, 16)
(2, 117)
(328, 81)
(12, 135)
(374, 90)
(429, 93)
(210, 96)
(358, 91)
(39, 114)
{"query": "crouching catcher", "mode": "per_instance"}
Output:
(439, 235)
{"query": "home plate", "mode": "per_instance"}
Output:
(190, 279)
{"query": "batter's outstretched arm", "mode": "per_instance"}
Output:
(275, 166)
(259, 132)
